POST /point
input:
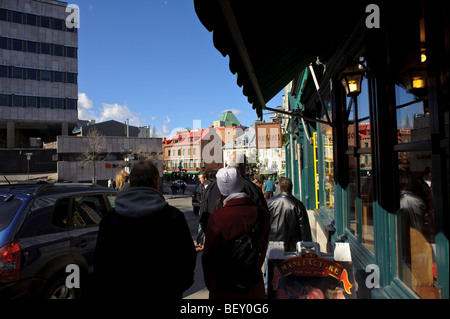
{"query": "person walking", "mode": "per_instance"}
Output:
(237, 217)
(269, 188)
(288, 217)
(211, 199)
(204, 183)
(122, 180)
(141, 243)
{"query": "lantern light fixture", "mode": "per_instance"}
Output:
(351, 79)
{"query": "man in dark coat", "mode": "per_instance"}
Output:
(144, 246)
(288, 217)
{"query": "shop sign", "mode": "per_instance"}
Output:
(268, 135)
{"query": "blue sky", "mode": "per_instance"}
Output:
(154, 63)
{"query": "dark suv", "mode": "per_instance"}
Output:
(44, 228)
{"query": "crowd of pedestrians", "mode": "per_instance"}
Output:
(143, 227)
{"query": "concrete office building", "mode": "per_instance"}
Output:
(38, 73)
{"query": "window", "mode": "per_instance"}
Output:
(46, 217)
(32, 47)
(17, 45)
(45, 75)
(359, 159)
(3, 71)
(45, 102)
(3, 43)
(60, 213)
(45, 22)
(45, 48)
(16, 17)
(72, 104)
(87, 210)
(3, 15)
(4, 100)
(31, 101)
(58, 103)
(328, 167)
(58, 50)
(71, 77)
(58, 24)
(17, 100)
(416, 226)
(58, 76)
(32, 19)
(31, 74)
(71, 52)
(17, 73)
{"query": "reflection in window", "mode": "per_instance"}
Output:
(328, 170)
(360, 187)
(417, 255)
(413, 121)
(88, 210)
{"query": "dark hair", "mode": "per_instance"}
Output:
(285, 184)
(144, 173)
(205, 174)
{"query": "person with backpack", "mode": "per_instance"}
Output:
(227, 273)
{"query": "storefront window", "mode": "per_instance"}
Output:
(328, 169)
(416, 228)
(413, 120)
(360, 188)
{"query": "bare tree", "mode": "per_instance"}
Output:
(93, 150)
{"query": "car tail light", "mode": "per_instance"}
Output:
(10, 262)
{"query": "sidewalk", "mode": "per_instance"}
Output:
(48, 177)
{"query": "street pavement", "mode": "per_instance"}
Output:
(184, 203)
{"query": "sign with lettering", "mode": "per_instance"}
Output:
(268, 135)
(310, 277)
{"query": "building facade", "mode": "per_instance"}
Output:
(193, 151)
(111, 155)
(38, 72)
(368, 109)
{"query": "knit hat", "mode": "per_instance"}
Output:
(229, 181)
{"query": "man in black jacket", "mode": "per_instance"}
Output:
(288, 217)
(144, 246)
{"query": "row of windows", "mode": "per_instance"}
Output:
(37, 47)
(14, 72)
(178, 152)
(37, 101)
(34, 20)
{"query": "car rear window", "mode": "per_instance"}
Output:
(8, 210)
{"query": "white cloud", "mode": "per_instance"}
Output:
(119, 113)
(235, 111)
(85, 107)
(165, 129)
(167, 120)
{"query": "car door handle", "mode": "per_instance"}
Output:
(82, 243)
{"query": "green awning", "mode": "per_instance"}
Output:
(270, 42)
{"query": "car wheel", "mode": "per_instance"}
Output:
(59, 290)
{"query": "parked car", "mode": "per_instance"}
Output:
(195, 202)
(180, 182)
(45, 227)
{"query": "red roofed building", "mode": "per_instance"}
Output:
(193, 151)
